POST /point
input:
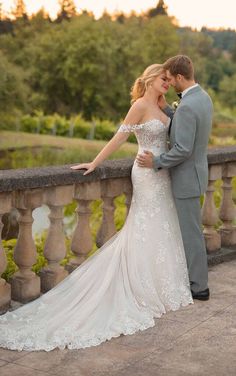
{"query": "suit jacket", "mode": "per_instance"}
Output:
(189, 136)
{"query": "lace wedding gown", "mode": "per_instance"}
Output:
(138, 275)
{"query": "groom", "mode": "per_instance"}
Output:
(187, 160)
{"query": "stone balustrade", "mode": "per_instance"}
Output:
(27, 189)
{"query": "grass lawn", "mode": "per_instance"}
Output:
(21, 139)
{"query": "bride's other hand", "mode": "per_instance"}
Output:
(145, 160)
(84, 166)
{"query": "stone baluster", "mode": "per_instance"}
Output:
(209, 213)
(55, 248)
(5, 288)
(227, 209)
(128, 192)
(25, 283)
(110, 189)
(82, 241)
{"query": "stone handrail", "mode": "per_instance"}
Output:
(27, 189)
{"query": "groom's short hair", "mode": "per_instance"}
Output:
(180, 64)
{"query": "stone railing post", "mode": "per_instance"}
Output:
(82, 241)
(110, 190)
(55, 248)
(25, 283)
(210, 216)
(227, 209)
(5, 288)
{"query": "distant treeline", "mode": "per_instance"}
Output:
(77, 64)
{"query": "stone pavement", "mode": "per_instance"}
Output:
(197, 340)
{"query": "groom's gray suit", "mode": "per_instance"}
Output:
(187, 161)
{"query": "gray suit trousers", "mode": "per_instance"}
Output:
(189, 213)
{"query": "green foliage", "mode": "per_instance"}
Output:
(81, 127)
(13, 91)
(67, 10)
(75, 126)
(41, 261)
(222, 39)
(104, 129)
(228, 90)
(160, 40)
(29, 124)
(160, 9)
(9, 246)
(74, 77)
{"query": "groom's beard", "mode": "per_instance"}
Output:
(178, 88)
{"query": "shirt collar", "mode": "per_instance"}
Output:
(189, 88)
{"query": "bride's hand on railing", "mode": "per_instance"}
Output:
(84, 166)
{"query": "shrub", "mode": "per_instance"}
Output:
(29, 124)
(81, 127)
(104, 129)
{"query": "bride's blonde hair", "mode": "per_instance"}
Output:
(142, 82)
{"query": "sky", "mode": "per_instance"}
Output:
(194, 13)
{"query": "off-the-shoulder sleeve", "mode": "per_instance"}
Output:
(129, 128)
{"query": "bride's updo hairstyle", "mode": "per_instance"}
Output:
(141, 84)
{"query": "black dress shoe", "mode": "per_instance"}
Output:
(201, 295)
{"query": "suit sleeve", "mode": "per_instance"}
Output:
(185, 130)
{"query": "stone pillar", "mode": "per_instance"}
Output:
(227, 209)
(25, 283)
(5, 288)
(82, 241)
(55, 247)
(110, 189)
(209, 213)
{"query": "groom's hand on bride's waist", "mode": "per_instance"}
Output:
(145, 159)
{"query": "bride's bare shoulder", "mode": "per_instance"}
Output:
(135, 113)
(139, 104)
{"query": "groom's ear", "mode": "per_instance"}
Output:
(179, 77)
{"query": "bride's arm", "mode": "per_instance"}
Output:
(117, 140)
(133, 117)
(165, 107)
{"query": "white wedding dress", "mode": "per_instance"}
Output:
(138, 275)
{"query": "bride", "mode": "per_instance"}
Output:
(139, 274)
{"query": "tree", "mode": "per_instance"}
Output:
(13, 89)
(160, 39)
(228, 90)
(20, 10)
(5, 22)
(160, 10)
(234, 54)
(120, 17)
(67, 10)
(40, 20)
